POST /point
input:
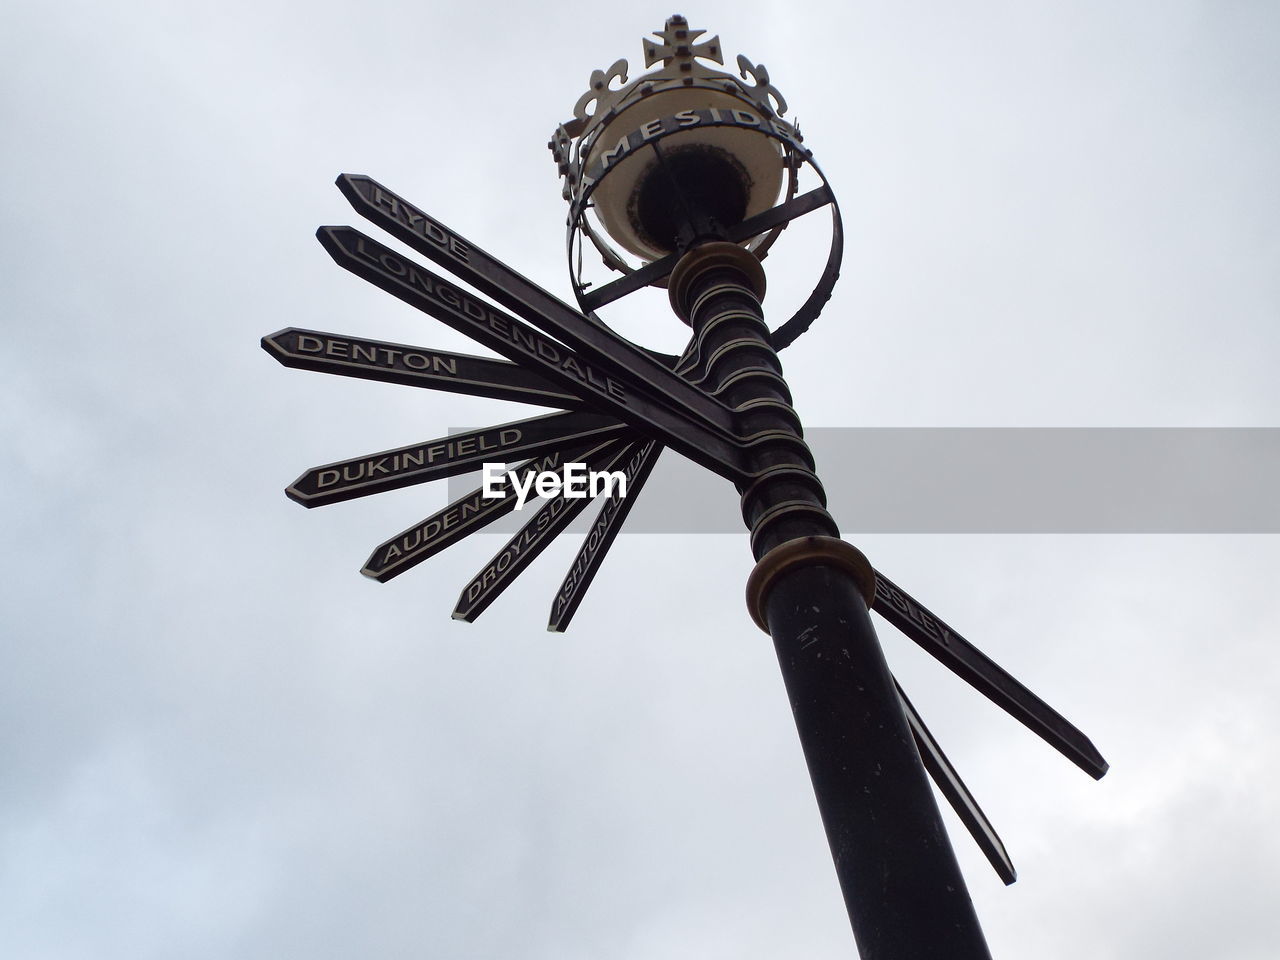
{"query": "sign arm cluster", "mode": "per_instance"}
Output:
(547, 523)
(467, 515)
(592, 340)
(617, 406)
(610, 388)
(948, 781)
(985, 675)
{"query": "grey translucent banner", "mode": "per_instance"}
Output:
(996, 480)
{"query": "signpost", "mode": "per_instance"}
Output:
(607, 526)
(613, 389)
(591, 339)
(952, 787)
(467, 515)
(415, 367)
(985, 675)
(449, 456)
(707, 155)
(523, 548)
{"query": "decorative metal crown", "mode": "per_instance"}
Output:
(681, 68)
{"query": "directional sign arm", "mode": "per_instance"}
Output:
(449, 456)
(986, 676)
(536, 535)
(415, 367)
(605, 387)
(592, 340)
(608, 523)
(957, 794)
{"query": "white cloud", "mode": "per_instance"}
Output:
(219, 740)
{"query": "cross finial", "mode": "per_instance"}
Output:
(678, 45)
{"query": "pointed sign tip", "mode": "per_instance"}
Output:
(348, 185)
(297, 496)
(274, 344)
(1087, 757)
(326, 235)
(374, 573)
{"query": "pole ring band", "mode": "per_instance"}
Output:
(779, 438)
(804, 552)
(790, 510)
(781, 407)
(785, 472)
(725, 290)
(710, 256)
(767, 374)
(719, 320)
(742, 343)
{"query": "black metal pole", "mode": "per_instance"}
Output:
(902, 887)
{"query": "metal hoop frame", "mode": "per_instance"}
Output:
(768, 225)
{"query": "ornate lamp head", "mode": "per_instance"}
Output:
(676, 154)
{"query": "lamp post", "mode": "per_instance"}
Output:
(694, 173)
(670, 167)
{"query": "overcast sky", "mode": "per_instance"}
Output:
(218, 740)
